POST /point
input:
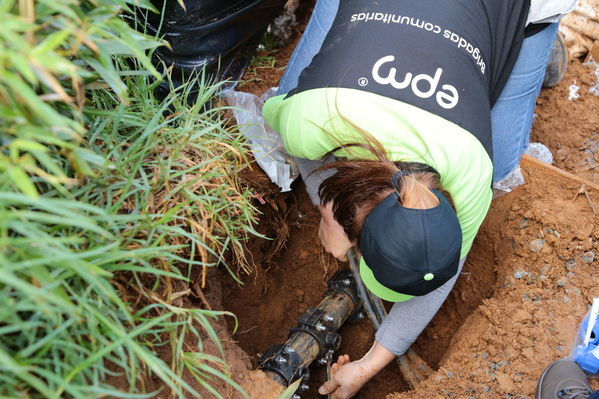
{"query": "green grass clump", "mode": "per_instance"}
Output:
(111, 206)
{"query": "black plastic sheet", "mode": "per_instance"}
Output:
(219, 35)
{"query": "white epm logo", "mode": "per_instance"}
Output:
(447, 96)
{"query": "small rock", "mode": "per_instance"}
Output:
(519, 316)
(561, 282)
(558, 348)
(536, 245)
(588, 257)
(532, 278)
(570, 264)
(545, 269)
(574, 290)
(520, 273)
(566, 299)
(524, 223)
(486, 388)
(561, 154)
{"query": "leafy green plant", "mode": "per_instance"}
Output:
(52, 53)
(112, 207)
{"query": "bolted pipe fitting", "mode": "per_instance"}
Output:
(288, 350)
(281, 360)
(315, 337)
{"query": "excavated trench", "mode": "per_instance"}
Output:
(288, 282)
(527, 281)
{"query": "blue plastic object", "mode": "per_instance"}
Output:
(587, 356)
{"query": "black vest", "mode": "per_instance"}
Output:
(448, 57)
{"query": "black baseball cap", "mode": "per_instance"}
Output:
(409, 252)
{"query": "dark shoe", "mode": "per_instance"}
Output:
(557, 63)
(563, 379)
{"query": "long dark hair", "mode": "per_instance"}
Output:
(359, 185)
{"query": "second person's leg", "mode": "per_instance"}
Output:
(512, 114)
(309, 45)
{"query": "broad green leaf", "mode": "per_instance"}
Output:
(110, 76)
(80, 164)
(22, 181)
(22, 66)
(54, 40)
(290, 390)
(51, 165)
(27, 145)
(39, 107)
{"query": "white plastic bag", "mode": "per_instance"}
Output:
(266, 145)
(515, 178)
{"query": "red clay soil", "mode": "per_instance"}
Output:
(527, 283)
(569, 126)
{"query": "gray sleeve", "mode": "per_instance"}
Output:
(313, 180)
(406, 320)
(549, 11)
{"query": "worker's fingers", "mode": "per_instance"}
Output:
(328, 386)
(342, 360)
(334, 369)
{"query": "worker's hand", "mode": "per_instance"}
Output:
(346, 379)
(331, 234)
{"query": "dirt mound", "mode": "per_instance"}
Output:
(544, 245)
(567, 121)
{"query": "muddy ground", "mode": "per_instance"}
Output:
(527, 283)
